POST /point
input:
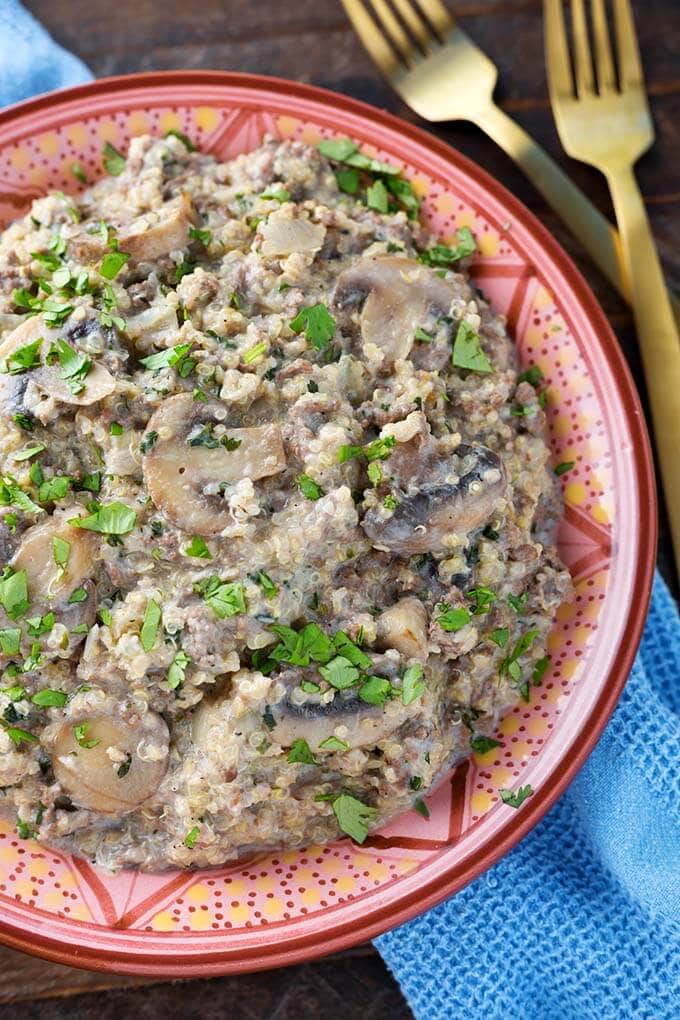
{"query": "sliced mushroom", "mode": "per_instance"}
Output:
(97, 384)
(346, 716)
(399, 294)
(160, 231)
(422, 521)
(284, 233)
(35, 555)
(111, 775)
(182, 477)
(156, 325)
(404, 626)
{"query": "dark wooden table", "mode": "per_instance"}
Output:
(311, 40)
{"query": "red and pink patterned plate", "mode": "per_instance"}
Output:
(287, 907)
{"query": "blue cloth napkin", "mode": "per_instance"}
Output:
(30, 60)
(582, 919)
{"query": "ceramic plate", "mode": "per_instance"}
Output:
(283, 908)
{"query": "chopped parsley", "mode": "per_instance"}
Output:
(17, 735)
(200, 234)
(148, 441)
(113, 160)
(23, 421)
(377, 197)
(450, 619)
(48, 698)
(353, 816)
(379, 449)
(515, 800)
(254, 353)
(421, 807)
(266, 584)
(191, 837)
(442, 255)
(198, 548)
(78, 172)
(518, 602)
(82, 739)
(14, 593)
(23, 358)
(61, 550)
(340, 673)
(539, 670)
(309, 488)
(481, 744)
(10, 640)
(149, 631)
(280, 195)
(333, 743)
(92, 482)
(532, 375)
(347, 179)
(177, 671)
(224, 598)
(54, 488)
(116, 429)
(74, 365)
(29, 451)
(317, 323)
(300, 752)
(169, 358)
(76, 596)
(114, 519)
(482, 599)
(467, 351)
(412, 686)
(566, 465)
(124, 767)
(500, 636)
(174, 133)
(112, 263)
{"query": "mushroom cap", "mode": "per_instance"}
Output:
(89, 775)
(35, 556)
(400, 294)
(98, 383)
(177, 473)
(346, 716)
(284, 233)
(422, 521)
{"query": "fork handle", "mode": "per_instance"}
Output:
(658, 337)
(594, 230)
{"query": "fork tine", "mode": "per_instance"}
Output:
(556, 50)
(583, 64)
(606, 77)
(630, 65)
(393, 30)
(437, 15)
(371, 36)
(415, 23)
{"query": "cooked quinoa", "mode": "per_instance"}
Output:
(276, 507)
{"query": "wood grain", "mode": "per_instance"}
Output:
(310, 40)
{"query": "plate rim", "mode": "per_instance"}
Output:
(281, 951)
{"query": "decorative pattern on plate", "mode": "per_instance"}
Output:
(551, 331)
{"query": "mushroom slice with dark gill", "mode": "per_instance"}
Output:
(99, 764)
(187, 457)
(399, 294)
(440, 507)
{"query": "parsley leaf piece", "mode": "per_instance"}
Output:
(532, 375)
(191, 837)
(48, 698)
(79, 595)
(225, 598)
(149, 631)
(467, 351)
(124, 767)
(348, 180)
(298, 648)
(168, 358)
(482, 599)
(198, 548)
(379, 449)
(412, 686)
(113, 160)
(148, 441)
(353, 816)
(301, 753)
(74, 365)
(481, 744)
(188, 144)
(515, 800)
(11, 494)
(18, 736)
(443, 255)
(177, 671)
(10, 640)
(452, 620)
(337, 148)
(340, 673)
(61, 550)
(54, 488)
(421, 807)
(500, 636)
(566, 465)
(39, 625)
(254, 353)
(113, 519)
(539, 671)
(309, 488)
(78, 172)
(375, 690)
(376, 196)
(518, 602)
(266, 584)
(116, 429)
(279, 195)
(200, 234)
(29, 451)
(23, 358)
(82, 739)
(14, 594)
(317, 323)
(92, 482)
(112, 263)
(349, 650)
(23, 421)
(333, 743)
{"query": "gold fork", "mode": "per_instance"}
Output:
(606, 122)
(442, 75)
